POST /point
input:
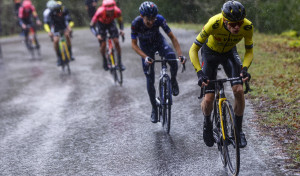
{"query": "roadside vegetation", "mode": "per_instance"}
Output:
(275, 88)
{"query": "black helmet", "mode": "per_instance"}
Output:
(148, 9)
(57, 7)
(233, 11)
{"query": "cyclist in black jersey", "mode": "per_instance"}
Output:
(91, 7)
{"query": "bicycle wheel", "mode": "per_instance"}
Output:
(217, 133)
(65, 58)
(166, 110)
(119, 75)
(231, 140)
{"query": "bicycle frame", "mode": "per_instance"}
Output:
(63, 47)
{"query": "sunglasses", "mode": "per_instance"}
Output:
(150, 18)
(234, 24)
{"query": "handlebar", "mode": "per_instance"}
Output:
(248, 89)
(170, 60)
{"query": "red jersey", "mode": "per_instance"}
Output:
(23, 13)
(100, 15)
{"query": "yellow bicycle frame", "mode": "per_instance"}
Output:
(62, 45)
(110, 51)
(221, 100)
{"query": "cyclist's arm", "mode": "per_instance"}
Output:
(249, 47)
(193, 53)
(121, 24)
(137, 49)
(175, 43)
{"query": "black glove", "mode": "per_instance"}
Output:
(245, 73)
(201, 78)
(182, 58)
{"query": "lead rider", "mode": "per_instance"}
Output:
(217, 41)
(146, 28)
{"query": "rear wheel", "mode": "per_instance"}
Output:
(231, 141)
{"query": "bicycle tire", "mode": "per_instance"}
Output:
(166, 106)
(65, 58)
(231, 139)
(217, 131)
(119, 75)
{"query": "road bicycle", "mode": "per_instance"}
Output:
(113, 65)
(32, 43)
(64, 52)
(164, 100)
(225, 131)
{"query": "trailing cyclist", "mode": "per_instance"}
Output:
(217, 41)
(26, 13)
(91, 7)
(103, 21)
(146, 28)
(46, 16)
(60, 21)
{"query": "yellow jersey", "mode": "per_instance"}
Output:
(221, 40)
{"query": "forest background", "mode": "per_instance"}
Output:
(268, 16)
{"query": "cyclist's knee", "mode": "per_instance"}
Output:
(238, 90)
(209, 98)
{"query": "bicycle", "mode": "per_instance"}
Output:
(224, 126)
(32, 43)
(164, 100)
(114, 67)
(64, 52)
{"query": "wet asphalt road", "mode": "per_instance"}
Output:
(84, 124)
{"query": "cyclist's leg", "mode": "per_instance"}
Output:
(166, 51)
(56, 47)
(26, 33)
(67, 34)
(35, 38)
(150, 79)
(114, 33)
(232, 68)
(210, 62)
(102, 31)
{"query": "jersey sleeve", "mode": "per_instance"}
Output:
(163, 24)
(134, 32)
(248, 45)
(200, 40)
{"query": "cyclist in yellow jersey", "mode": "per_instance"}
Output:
(217, 41)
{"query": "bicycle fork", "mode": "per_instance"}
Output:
(221, 100)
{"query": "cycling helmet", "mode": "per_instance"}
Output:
(148, 9)
(50, 4)
(27, 4)
(57, 7)
(233, 11)
(109, 4)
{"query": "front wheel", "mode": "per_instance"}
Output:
(166, 106)
(231, 138)
(217, 133)
(119, 75)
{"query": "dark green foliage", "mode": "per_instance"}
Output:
(270, 16)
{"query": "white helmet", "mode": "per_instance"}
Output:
(51, 4)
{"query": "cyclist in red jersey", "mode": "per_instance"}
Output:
(26, 13)
(104, 19)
